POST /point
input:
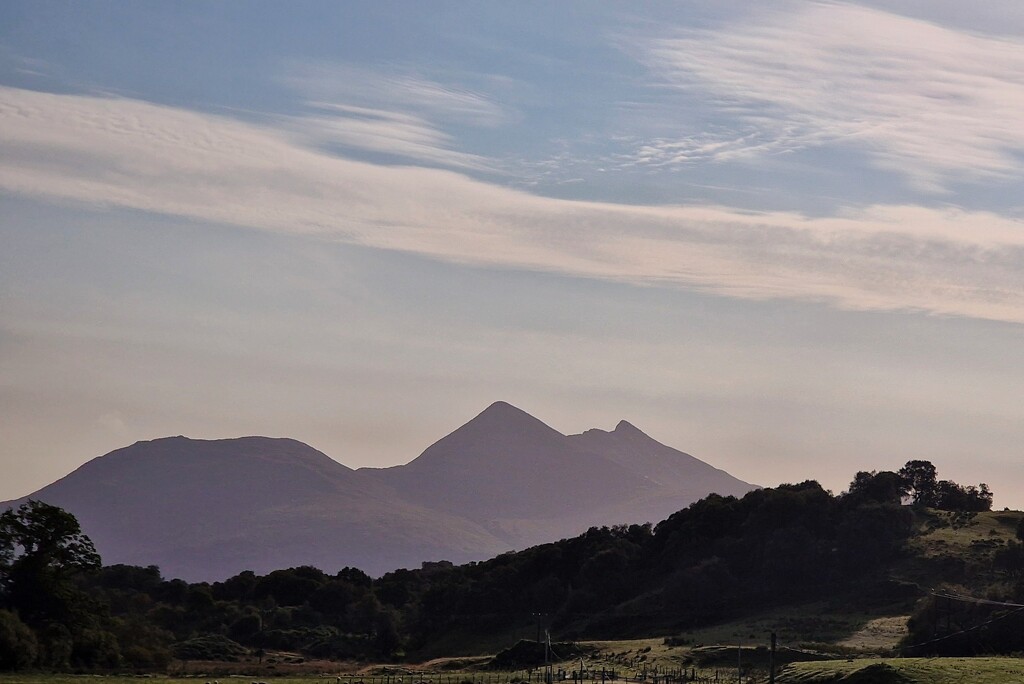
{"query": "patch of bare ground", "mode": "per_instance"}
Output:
(451, 664)
(880, 634)
(274, 664)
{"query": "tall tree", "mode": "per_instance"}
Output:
(919, 477)
(41, 548)
(884, 488)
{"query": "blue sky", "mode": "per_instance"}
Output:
(786, 238)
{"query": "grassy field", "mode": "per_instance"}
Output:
(908, 671)
(398, 677)
(817, 626)
(863, 671)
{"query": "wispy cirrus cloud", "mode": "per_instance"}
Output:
(929, 102)
(127, 153)
(384, 132)
(391, 111)
(395, 89)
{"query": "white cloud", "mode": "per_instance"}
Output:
(930, 102)
(113, 424)
(126, 153)
(395, 89)
(390, 111)
(381, 131)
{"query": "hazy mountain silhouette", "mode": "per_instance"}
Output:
(506, 463)
(207, 509)
(527, 483)
(673, 479)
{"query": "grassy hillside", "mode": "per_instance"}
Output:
(907, 671)
(942, 533)
(844, 576)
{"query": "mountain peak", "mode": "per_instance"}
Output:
(208, 508)
(627, 428)
(496, 433)
(504, 416)
(503, 409)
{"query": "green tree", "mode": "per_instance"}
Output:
(386, 639)
(291, 587)
(1010, 559)
(95, 647)
(18, 646)
(237, 588)
(41, 549)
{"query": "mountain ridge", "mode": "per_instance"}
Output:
(205, 509)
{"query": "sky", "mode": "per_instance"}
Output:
(787, 238)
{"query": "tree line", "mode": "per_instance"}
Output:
(719, 558)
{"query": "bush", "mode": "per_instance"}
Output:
(18, 646)
(96, 648)
(209, 647)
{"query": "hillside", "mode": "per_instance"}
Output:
(854, 574)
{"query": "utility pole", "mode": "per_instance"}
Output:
(538, 616)
(549, 677)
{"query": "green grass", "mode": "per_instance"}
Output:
(908, 671)
(864, 671)
(818, 625)
(406, 677)
(995, 527)
(80, 679)
(634, 655)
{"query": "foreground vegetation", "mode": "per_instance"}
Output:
(908, 671)
(977, 670)
(835, 574)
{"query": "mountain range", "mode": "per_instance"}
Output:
(207, 509)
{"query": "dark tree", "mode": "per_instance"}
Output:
(291, 587)
(949, 496)
(980, 499)
(354, 576)
(41, 548)
(1010, 559)
(919, 478)
(237, 588)
(18, 645)
(883, 488)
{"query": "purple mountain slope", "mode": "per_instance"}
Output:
(675, 479)
(507, 464)
(208, 509)
(527, 483)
